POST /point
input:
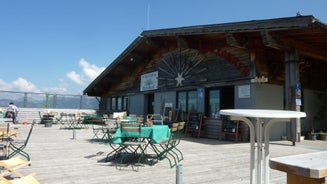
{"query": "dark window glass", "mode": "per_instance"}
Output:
(181, 101)
(214, 103)
(113, 103)
(187, 101)
(192, 101)
(119, 103)
(125, 102)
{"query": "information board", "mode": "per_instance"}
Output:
(194, 123)
(229, 127)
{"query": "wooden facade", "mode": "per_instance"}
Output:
(287, 51)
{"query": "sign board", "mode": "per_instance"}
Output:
(149, 81)
(244, 91)
(228, 125)
(194, 122)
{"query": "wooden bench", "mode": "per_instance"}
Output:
(304, 168)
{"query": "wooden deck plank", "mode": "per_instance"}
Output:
(57, 158)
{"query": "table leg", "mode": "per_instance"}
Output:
(267, 127)
(252, 147)
(259, 151)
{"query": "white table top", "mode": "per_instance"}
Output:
(313, 165)
(262, 113)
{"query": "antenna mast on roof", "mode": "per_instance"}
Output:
(148, 17)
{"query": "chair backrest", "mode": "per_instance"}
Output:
(29, 134)
(120, 115)
(157, 119)
(174, 127)
(181, 126)
(130, 127)
(4, 129)
(111, 124)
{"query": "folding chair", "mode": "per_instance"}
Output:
(116, 148)
(168, 148)
(98, 127)
(132, 144)
(111, 126)
(17, 146)
(63, 120)
(12, 165)
(29, 179)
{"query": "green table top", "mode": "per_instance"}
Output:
(156, 133)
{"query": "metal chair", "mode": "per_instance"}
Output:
(157, 119)
(132, 147)
(17, 146)
(168, 148)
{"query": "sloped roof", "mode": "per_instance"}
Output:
(306, 34)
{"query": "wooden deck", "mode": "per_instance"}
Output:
(59, 159)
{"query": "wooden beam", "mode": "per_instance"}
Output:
(269, 41)
(307, 50)
(304, 49)
(232, 41)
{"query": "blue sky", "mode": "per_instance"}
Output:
(60, 46)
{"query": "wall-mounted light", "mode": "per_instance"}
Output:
(261, 79)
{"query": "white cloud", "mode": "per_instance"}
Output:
(75, 77)
(89, 72)
(20, 84)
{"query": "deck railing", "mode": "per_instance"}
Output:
(48, 100)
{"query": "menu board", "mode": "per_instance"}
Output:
(194, 122)
(228, 125)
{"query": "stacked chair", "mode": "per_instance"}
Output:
(167, 149)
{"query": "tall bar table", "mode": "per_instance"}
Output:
(263, 119)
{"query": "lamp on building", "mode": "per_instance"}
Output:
(261, 79)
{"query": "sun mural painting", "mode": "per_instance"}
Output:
(180, 67)
(189, 67)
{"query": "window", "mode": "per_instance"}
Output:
(125, 103)
(119, 103)
(192, 101)
(217, 99)
(187, 101)
(113, 103)
(213, 103)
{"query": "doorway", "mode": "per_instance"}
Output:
(149, 101)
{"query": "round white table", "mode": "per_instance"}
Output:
(264, 119)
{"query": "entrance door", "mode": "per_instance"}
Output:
(149, 101)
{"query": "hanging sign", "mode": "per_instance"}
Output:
(149, 81)
(298, 97)
(244, 91)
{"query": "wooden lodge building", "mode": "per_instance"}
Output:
(260, 64)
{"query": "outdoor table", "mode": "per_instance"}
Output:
(264, 119)
(304, 168)
(155, 133)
